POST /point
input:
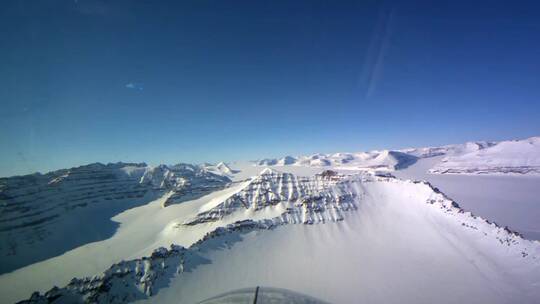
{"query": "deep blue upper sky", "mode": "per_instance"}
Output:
(194, 81)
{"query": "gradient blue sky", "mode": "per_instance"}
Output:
(193, 81)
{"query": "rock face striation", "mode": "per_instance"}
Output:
(43, 215)
(273, 199)
(186, 181)
(308, 200)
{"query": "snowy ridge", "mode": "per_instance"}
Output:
(43, 215)
(363, 221)
(480, 157)
(138, 279)
(187, 181)
(220, 169)
(384, 160)
(299, 199)
(380, 160)
(325, 196)
(142, 278)
(123, 282)
(504, 235)
(456, 149)
(518, 157)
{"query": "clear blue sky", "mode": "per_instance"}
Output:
(193, 81)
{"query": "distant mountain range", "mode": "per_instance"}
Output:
(351, 207)
(516, 156)
(274, 199)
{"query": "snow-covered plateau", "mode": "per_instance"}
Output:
(514, 157)
(373, 227)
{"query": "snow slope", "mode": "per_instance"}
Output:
(395, 241)
(455, 149)
(141, 230)
(519, 157)
(345, 232)
(508, 199)
(44, 215)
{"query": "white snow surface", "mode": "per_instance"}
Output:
(350, 236)
(481, 157)
(394, 249)
(142, 229)
(516, 157)
(455, 149)
(401, 242)
(45, 215)
(509, 199)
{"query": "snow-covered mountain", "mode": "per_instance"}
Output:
(43, 215)
(379, 160)
(306, 200)
(220, 169)
(339, 227)
(367, 228)
(517, 156)
(455, 149)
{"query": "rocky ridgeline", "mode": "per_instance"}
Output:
(503, 235)
(33, 207)
(123, 282)
(138, 279)
(142, 278)
(29, 199)
(304, 199)
(187, 181)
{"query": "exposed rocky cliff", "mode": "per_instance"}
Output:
(42, 215)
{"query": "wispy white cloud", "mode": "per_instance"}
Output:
(134, 86)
